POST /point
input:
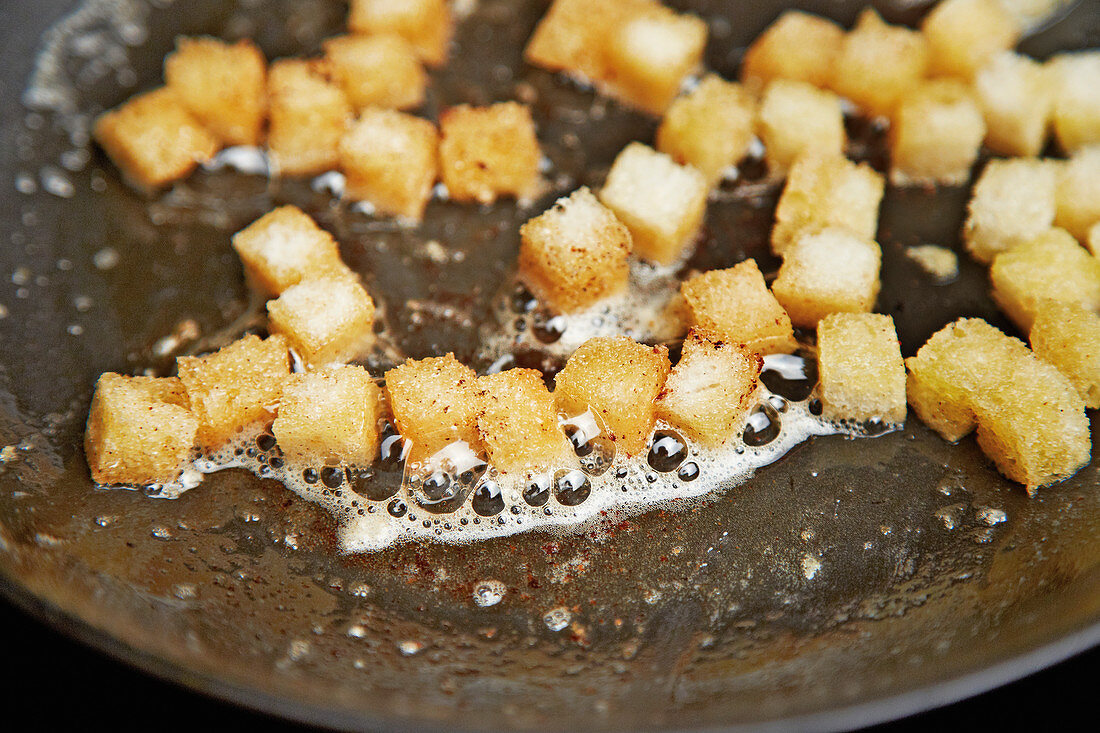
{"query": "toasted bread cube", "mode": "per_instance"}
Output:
(223, 85)
(154, 140)
(1068, 336)
(1016, 100)
(1076, 98)
(963, 35)
(1030, 419)
(377, 71)
(957, 364)
(140, 430)
(710, 390)
(309, 115)
(796, 118)
(710, 128)
(434, 403)
(390, 160)
(426, 24)
(237, 385)
(879, 63)
(1078, 193)
(1013, 202)
(661, 203)
(326, 321)
(832, 271)
(652, 53)
(936, 134)
(861, 371)
(329, 416)
(618, 380)
(487, 152)
(575, 253)
(1051, 266)
(518, 422)
(284, 247)
(736, 306)
(797, 46)
(827, 191)
(574, 35)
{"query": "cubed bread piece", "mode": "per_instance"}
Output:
(518, 422)
(736, 306)
(798, 46)
(390, 159)
(861, 371)
(426, 24)
(326, 321)
(575, 253)
(1051, 266)
(329, 416)
(831, 271)
(1016, 100)
(309, 115)
(140, 430)
(237, 385)
(936, 134)
(434, 403)
(709, 128)
(879, 63)
(661, 202)
(488, 152)
(1031, 421)
(957, 364)
(284, 247)
(153, 139)
(1076, 98)
(796, 118)
(377, 71)
(1068, 336)
(223, 85)
(710, 390)
(1078, 193)
(618, 380)
(827, 191)
(1012, 202)
(650, 55)
(573, 36)
(963, 35)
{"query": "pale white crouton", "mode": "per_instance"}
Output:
(964, 35)
(1016, 100)
(936, 134)
(798, 46)
(861, 371)
(284, 247)
(1078, 192)
(1013, 202)
(879, 63)
(795, 118)
(831, 271)
(1073, 77)
(326, 321)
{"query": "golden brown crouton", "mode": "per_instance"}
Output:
(963, 35)
(796, 118)
(575, 253)
(434, 403)
(936, 134)
(518, 422)
(862, 374)
(1017, 100)
(1076, 114)
(377, 71)
(878, 64)
(1068, 336)
(1078, 193)
(426, 24)
(618, 380)
(235, 386)
(488, 152)
(223, 85)
(140, 430)
(797, 46)
(153, 139)
(736, 306)
(285, 246)
(309, 115)
(710, 390)
(329, 416)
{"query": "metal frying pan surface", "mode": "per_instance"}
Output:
(843, 584)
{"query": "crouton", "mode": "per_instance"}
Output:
(936, 134)
(661, 203)
(223, 85)
(831, 271)
(798, 45)
(426, 24)
(326, 321)
(575, 253)
(377, 71)
(140, 430)
(963, 35)
(1078, 193)
(235, 386)
(1068, 336)
(329, 416)
(862, 376)
(878, 64)
(1076, 113)
(309, 115)
(488, 152)
(434, 403)
(518, 423)
(1016, 99)
(1012, 202)
(573, 36)
(284, 247)
(736, 306)
(154, 140)
(710, 390)
(618, 380)
(796, 118)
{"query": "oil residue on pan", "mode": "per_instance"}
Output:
(816, 585)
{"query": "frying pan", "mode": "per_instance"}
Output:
(699, 617)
